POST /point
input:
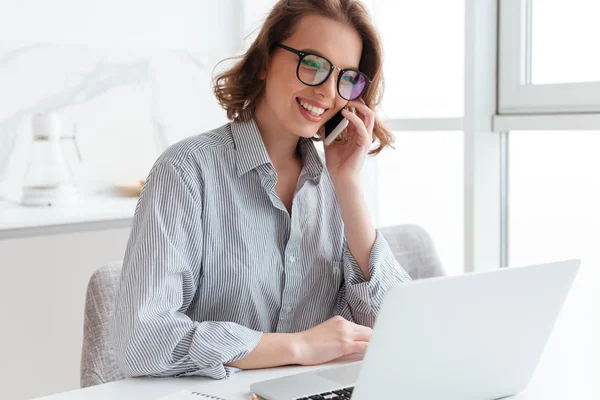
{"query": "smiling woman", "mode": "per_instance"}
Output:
(351, 44)
(249, 249)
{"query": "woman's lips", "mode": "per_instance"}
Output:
(307, 115)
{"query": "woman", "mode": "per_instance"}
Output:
(248, 250)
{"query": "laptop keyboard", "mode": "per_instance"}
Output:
(341, 394)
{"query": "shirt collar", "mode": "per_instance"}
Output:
(311, 159)
(249, 146)
(252, 153)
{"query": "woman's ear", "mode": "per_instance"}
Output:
(262, 75)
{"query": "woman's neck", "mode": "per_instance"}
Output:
(281, 145)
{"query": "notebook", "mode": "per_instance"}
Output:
(190, 395)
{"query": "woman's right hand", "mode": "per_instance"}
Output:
(332, 339)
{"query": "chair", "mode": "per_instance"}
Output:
(412, 246)
(97, 362)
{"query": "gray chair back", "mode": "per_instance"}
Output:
(413, 248)
(97, 361)
(411, 245)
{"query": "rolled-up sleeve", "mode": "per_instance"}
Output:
(359, 300)
(152, 335)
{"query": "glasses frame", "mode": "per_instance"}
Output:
(304, 54)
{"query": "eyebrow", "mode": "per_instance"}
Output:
(313, 51)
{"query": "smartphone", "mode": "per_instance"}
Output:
(334, 127)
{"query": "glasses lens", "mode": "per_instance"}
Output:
(313, 70)
(352, 85)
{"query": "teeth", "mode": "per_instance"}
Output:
(316, 111)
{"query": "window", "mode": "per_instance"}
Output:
(424, 57)
(548, 69)
(567, 54)
(421, 182)
(554, 203)
(548, 61)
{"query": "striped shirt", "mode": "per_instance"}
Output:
(214, 258)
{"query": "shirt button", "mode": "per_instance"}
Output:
(292, 259)
(288, 309)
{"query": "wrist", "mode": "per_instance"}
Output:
(295, 347)
(346, 184)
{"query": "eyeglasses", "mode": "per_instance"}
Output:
(313, 70)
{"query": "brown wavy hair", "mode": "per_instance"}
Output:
(239, 88)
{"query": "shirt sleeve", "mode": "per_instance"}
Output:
(152, 335)
(359, 300)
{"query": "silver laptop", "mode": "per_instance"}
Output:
(477, 336)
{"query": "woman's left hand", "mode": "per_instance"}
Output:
(345, 159)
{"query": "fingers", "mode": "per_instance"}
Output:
(365, 112)
(352, 331)
(362, 334)
(361, 107)
(357, 347)
(350, 116)
(353, 338)
(358, 123)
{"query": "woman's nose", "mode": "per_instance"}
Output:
(328, 88)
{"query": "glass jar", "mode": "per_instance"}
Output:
(48, 179)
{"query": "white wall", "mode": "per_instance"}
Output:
(186, 24)
(134, 76)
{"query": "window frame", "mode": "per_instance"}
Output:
(517, 95)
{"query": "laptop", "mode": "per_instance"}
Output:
(477, 336)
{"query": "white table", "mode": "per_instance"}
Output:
(550, 382)
(236, 388)
(93, 211)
